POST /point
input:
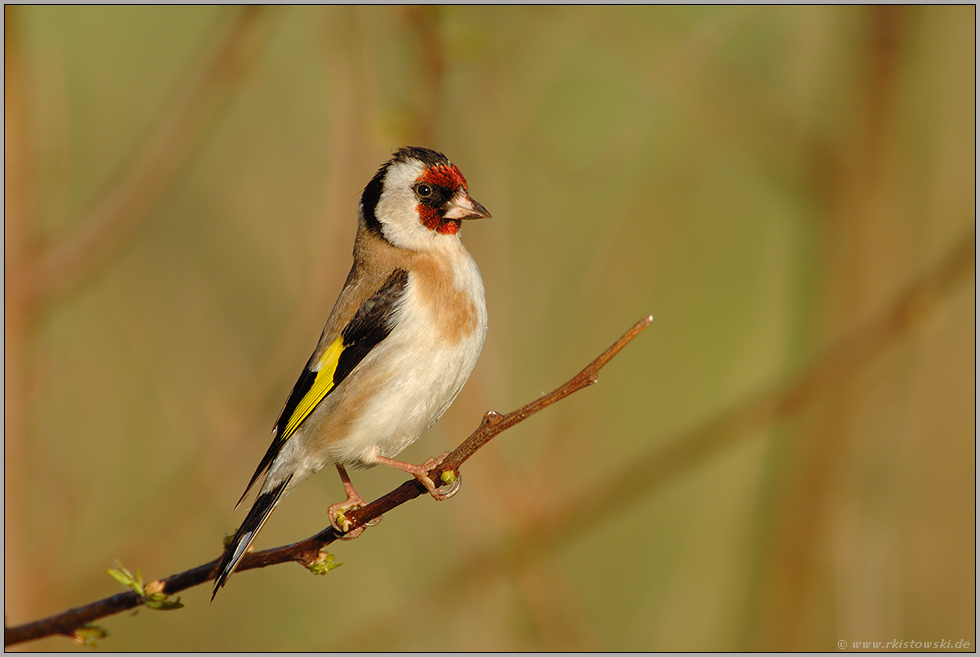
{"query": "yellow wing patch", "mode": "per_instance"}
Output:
(322, 384)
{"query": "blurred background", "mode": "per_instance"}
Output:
(784, 460)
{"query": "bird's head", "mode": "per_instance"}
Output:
(418, 199)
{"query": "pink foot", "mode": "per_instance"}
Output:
(338, 512)
(421, 472)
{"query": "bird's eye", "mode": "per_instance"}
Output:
(423, 190)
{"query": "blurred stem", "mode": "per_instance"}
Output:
(116, 217)
(19, 262)
(424, 22)
(790, 601)
(35, 278)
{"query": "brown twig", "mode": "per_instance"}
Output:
(305, 552)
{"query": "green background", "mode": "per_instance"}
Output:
(763, 181)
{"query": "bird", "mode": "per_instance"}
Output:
(397, 348)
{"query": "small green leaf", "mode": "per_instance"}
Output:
(324, 563)
(162, 604)
(122, 575)
(448, 477)
(152, 594)
(88, 634)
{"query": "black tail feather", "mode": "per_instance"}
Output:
(253, 522)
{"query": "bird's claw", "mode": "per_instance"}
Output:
(450, 479)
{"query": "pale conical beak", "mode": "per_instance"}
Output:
(461, 206)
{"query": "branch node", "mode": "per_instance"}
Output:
(490, 418)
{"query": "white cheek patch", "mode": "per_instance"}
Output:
(397, 209)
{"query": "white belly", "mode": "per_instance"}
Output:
(426, 372)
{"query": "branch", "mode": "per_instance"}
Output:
(306, 552)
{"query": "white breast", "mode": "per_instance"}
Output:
(427, 364)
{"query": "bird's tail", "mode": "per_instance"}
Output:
(256, 517)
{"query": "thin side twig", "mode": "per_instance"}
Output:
(306, 551)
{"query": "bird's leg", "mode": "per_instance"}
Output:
(337, 512)
(421, 472)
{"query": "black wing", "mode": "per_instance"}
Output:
(370, 325)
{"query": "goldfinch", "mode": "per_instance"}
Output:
(401, 341)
